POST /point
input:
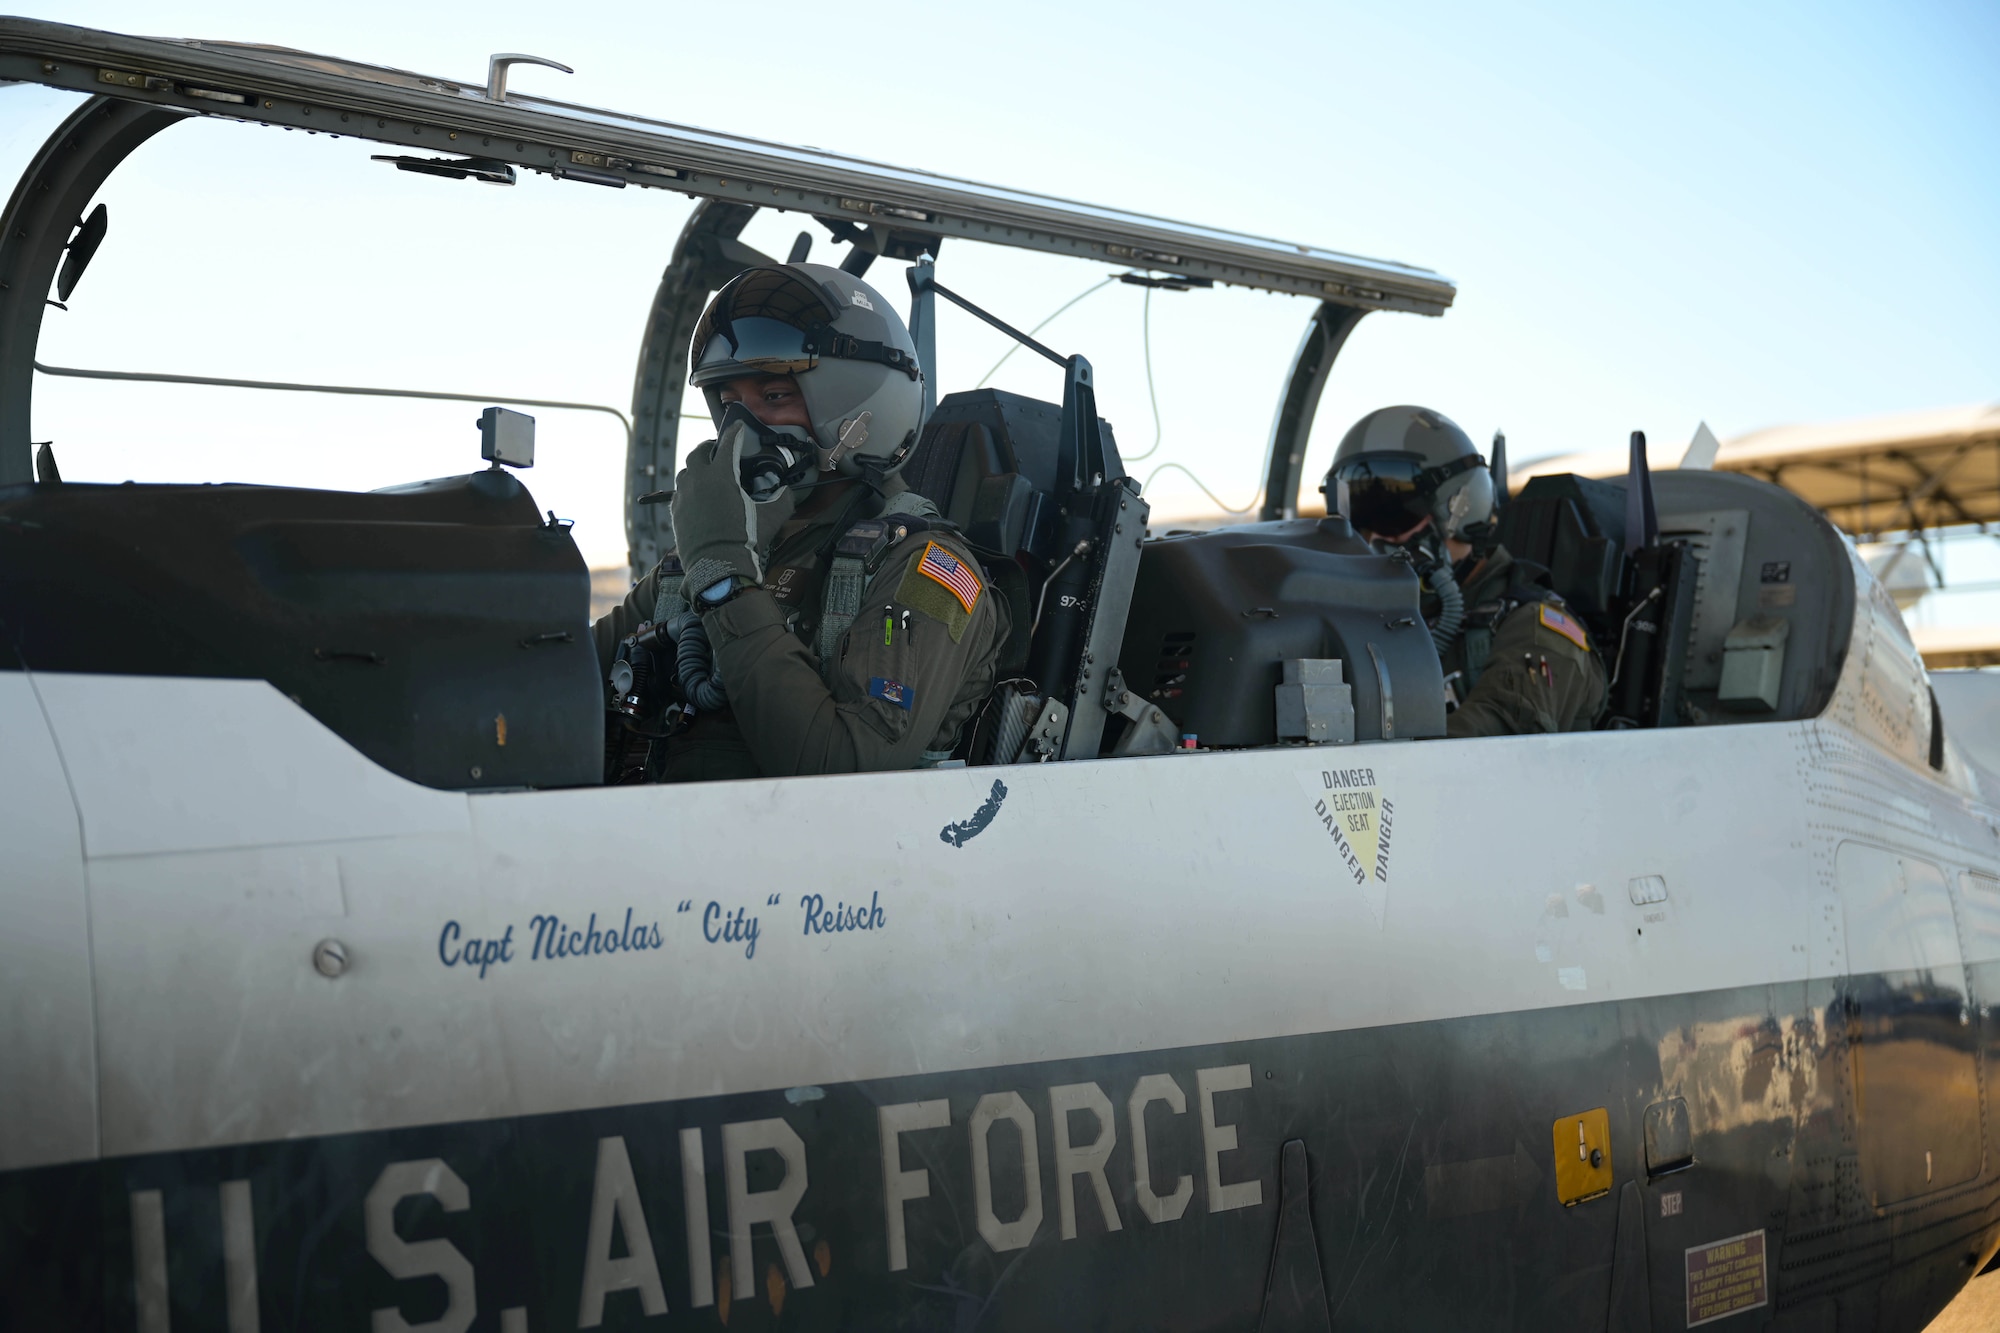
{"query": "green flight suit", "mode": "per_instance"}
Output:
(911, 670)
(1539, 673)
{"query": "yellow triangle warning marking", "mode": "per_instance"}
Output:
(1348, 804)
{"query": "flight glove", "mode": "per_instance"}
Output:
(719, 531)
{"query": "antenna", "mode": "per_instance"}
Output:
(1701, 450)
(1642, 520)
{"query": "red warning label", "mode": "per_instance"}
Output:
(1726, 1277)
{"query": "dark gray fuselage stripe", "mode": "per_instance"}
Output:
(1430, 1157)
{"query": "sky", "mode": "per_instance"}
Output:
(1655, 216)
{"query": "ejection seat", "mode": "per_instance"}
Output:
(1057, 523)
(1230, 607)
(1754, 619)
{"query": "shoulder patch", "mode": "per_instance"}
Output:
(892, 691)
(947, 569)
(922, 592)
(1563, 625)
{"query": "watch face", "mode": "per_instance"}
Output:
(719, 589)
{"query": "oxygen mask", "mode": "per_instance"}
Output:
(785, 456)
(1425, 552)
(1423, 549)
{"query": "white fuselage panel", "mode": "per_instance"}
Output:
(1112, 906)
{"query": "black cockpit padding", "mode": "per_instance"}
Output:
(410, 621)
(1574, 527)
(984, 455)
(988, 460)
(1216, 614)
(1787, 560)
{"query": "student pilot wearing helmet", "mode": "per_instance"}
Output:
(851, 627)
(1515, 660)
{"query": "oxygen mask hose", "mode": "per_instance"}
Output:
(694, 663)
(1450, 622)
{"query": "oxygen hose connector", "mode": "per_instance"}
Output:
(1450, 620)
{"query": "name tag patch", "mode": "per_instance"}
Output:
(892, 691)
(787, 584)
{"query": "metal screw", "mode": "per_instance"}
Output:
(477, 773)
(329, 958)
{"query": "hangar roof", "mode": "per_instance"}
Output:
(1911, 470)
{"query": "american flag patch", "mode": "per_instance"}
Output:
(1563, 625)
(948, 569)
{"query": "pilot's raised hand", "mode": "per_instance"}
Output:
(720, 532)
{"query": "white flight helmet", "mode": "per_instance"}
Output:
(854, 361)
(1399, 465)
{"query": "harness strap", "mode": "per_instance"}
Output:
(669, 602)
(1478, 651)
(1482, 620)
(855, 556)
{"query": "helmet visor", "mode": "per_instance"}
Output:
(764, 322)
(753, 346)
(1385, 494)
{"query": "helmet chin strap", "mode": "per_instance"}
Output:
(1481, 537)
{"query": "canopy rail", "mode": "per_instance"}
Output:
(328, 95)
(218, 382)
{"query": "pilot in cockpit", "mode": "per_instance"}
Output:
(825, 618)
(1515, 660)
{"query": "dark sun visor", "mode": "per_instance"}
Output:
(768, 321)
(765, 322)
(1390, 493)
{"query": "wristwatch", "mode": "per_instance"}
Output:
(720, 591)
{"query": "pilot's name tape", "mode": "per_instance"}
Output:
(554, 938)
